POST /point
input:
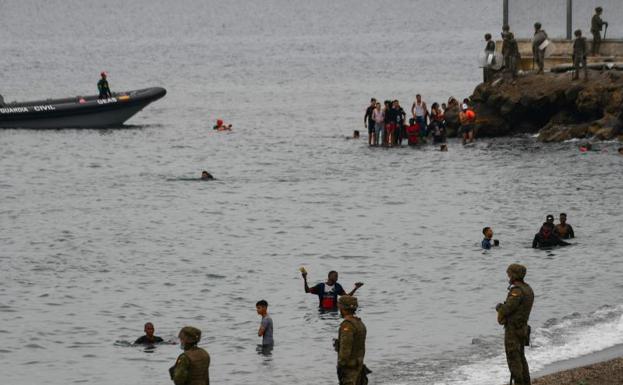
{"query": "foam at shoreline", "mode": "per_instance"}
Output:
(573, 341)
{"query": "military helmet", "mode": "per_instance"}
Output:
(537, 25)
(348, 302)
(599, 9)
(516, 272)
(192, 333)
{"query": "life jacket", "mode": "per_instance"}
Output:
(199, 366)
(329, 301)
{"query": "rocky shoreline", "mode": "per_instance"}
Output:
(550, 105)
(603, 373)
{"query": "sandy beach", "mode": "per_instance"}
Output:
(600, 368)
(603, 373)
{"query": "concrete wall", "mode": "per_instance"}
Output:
(611, 50)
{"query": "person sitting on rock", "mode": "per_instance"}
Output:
(579, 55)
(564, 230)
(220, 126)
(546, 238)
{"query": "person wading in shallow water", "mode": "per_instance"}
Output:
(328, 291)
(351, 345)
(514, 314)
(192, 366)
(563, 229)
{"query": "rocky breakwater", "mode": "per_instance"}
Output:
(552, 105)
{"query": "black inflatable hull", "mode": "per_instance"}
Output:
(78, 112)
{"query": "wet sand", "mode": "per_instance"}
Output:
(599, 368)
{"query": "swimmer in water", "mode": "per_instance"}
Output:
(443, 148)
(149, 338)
(487, 241)
(620, 150)
(206, 175)
(220, 126)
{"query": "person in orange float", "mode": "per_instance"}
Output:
(467, 118)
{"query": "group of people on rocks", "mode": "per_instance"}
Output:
(540, 43)
(549, 234)
(388, 126)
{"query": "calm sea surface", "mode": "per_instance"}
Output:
(102, 230)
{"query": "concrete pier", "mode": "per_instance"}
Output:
(611, 51)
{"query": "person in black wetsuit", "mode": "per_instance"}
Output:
(149, 338)
(547, 238)
(103, 87)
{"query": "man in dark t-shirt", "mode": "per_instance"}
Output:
(149, 338)
(328, 291)
(369, 122)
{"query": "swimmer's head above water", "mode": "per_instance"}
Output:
(206, 175)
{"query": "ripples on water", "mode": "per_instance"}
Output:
(100, 232)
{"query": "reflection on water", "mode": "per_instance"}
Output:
(99, 235)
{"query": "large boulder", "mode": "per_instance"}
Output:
(553, 105)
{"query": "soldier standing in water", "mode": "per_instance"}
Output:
(192, 366)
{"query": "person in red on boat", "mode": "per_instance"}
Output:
(328, 291)
(220, 126)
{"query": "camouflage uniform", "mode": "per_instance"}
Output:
(192, 366)
(351, 347)
(514, 315)
(537, 53)
(579, 57)
(512, 52)
(596, 27)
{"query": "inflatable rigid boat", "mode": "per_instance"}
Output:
(78, 112)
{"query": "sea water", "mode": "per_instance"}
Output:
(104, 230)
